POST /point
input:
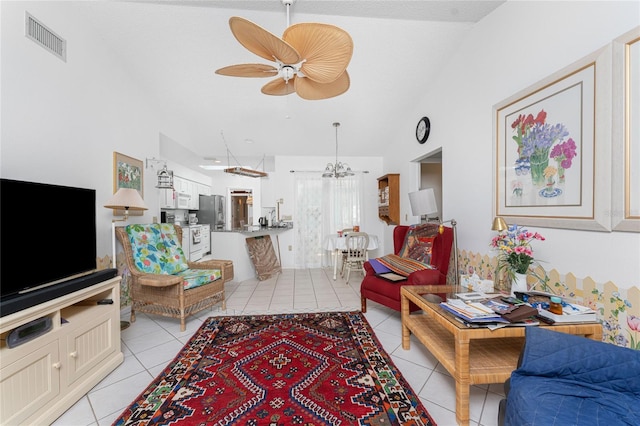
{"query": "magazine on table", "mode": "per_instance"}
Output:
(471, 312)
(494, 310)
(571, 312)
(510, 309)
(527, 322)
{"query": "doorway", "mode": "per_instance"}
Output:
(431, 177)
(241, 208)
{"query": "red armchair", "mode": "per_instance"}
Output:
(387, 293)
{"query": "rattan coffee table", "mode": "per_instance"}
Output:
(471, 355)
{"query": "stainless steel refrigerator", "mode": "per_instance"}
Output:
(212, 211)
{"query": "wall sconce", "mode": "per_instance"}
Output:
(165, 176)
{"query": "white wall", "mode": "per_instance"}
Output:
(61, 121)
(519, 44)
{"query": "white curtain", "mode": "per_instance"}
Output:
(322, 207)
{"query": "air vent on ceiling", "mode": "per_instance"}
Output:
(46, 38)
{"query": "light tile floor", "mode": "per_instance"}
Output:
(152, 342)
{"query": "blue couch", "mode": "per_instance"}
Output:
(567, 380)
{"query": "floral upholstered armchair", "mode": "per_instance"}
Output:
(163, 281)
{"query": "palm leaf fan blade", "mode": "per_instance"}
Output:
(312, 90)
(248, 70)
(279, 87)
(326, 49)
(261, 42)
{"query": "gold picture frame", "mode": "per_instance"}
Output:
(625, 207)
(567, 114)
(128, 172)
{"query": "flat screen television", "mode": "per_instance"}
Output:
(47, 238)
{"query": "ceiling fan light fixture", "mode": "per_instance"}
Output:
(316, 53)
(288, 72)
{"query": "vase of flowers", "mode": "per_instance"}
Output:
(515, 254)
(563, 153)
(549, 173)
(535, 137)
(518, 284)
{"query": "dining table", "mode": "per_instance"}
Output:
(337, 243)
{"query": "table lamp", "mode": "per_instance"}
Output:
(124, 199)
(499, 224)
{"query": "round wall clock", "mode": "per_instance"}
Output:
(422, 129)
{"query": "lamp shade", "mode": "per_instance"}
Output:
(126, 199)
(423, 202)
(499, 224)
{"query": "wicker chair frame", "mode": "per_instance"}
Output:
(165, 295)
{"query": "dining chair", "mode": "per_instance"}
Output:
(356, 253)
(344, 233)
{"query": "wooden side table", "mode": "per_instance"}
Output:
(471, 355)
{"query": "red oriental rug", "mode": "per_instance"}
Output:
(293, 369)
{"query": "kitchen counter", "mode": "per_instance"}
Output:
(232, 245)
(257, 230)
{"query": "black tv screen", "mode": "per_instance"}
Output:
(47, 235)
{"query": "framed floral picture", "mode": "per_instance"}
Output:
(552, 151)
(128, 172)
(625, 208)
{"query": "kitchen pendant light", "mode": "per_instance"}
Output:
(338, 169)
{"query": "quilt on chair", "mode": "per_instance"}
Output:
(156, 250)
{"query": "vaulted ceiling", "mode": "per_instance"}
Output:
(172, 48)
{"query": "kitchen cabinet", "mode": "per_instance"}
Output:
(204, 189)
(194, 196)
(40, 379)
(183, 191)
(206, 239)
(185, 194)
(167, 199)
(389, 198)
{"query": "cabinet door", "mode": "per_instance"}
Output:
(206, 239)
(29, 383)
(204, 189)
(180, 185)
(89, 344)
(167, 199)
(195, 196)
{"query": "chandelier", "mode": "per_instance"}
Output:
(337, 170)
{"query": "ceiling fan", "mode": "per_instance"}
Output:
(310, 59)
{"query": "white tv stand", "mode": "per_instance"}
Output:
(42, 378)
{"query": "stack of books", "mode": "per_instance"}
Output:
(472, 312)
(571, 313)
(494, 312)
(491, 313)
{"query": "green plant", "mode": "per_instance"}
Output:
(515, 254)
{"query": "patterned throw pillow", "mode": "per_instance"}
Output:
(418, 242)
(156, 249)
(176, 260)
